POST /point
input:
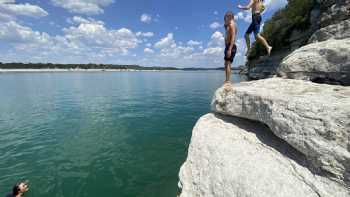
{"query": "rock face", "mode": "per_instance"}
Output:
(337, 31)
(240, 158)
(329, 20)
(327, 61)
(334, 11)
(265, 67)
(313, 118)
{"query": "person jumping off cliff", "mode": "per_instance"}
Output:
(230, 42)
(257, 7)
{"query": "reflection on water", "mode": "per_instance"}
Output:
(97, 134)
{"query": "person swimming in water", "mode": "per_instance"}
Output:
(257, 7)
(19, 189)
(230, 42)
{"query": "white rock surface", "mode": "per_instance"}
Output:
(313, 118)
(328, 61)
(233, 157)
(336, 31)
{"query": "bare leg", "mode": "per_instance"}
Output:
(247, 40)
(228, 71)
(264, 42)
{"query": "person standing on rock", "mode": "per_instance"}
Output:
(257, 8)
(230, 42)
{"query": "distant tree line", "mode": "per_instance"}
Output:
(95, 66)
(78, 66)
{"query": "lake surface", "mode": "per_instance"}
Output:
(94, 134)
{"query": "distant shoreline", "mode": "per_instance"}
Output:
(42, 70)
(80, 70)
(49, 67)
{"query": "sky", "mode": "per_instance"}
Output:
(177, 33)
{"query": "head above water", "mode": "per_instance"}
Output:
(229, 16)
(20, 188)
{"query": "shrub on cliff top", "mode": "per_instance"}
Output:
(277, 30)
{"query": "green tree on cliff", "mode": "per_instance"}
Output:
(277, 30)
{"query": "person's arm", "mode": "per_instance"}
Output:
(249, 6)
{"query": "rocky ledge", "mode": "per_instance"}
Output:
(274, 137)
(323, 62)
(319, 53)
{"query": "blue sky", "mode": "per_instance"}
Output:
(180, 33)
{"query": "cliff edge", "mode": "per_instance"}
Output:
(273, 137)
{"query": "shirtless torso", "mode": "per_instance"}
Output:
(257, 8)
(231, 29)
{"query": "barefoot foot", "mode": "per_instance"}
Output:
(227, 85)
(269, 49)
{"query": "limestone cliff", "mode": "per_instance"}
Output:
(292, 28)
(273, 137)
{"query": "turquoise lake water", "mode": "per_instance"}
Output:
(94, 134)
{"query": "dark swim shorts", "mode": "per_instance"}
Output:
(233, 53)
(255, 25)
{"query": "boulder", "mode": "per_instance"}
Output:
(265, 67)
(313, 118)
(337, 31)
(233, 157)
(334, 11)
(325, 62)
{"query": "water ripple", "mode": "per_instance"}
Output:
(96, 134)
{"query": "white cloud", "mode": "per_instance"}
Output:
(89, 7)
(170, 49)
(76, 20)
(189, 54)
(146, 18)
(145, 34)
(95, 35)
(148, 50)
(88, 40)
(176, 52)
(215, 45)
(7, 1)
(185, 54)
(245, 16)
(241, 46)
(166, 42)
(194, 43)
(217, 39)
(15, 33)
(5, 17)
(215, 25)
(9, 10)
(23, 9)
(217, 51)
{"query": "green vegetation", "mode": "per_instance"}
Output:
(295, 16)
